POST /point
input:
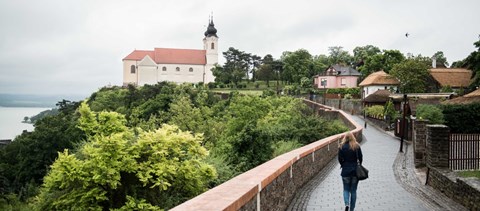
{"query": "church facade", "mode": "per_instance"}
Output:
(176, 65)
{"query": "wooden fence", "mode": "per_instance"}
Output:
(464, 152)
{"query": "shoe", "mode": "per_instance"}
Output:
(346, 208)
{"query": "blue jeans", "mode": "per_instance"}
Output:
(350, 191)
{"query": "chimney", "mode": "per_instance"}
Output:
(434, 62)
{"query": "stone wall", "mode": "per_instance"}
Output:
(352, 106)
(419, 142)
(437, 146)
(465, 191)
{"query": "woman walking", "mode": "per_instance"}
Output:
(348, 154)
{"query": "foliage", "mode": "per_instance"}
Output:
(384, 61)
(51, 112)
(282, 147)
(412, 75)
(472, 62)
(376, 111)
(339, 56)
(296, 65)
(344, 91)
(390, 111)
(109, 170)
(431, 113)
(441, 59)
(446, 88)
(456, 117)
(25, 161)
(360, 54)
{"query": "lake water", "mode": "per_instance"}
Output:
(11, 120)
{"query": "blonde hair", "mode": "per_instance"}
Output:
(352, 141)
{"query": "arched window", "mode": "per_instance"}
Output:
(191, 69)
(133, 69)
(178, 68)
(164, 68)
(213, 45)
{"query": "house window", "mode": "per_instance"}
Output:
(164, 68)
(178, 68)
(344, 82)
(191, 69)
(213, 45)
(323, 82)
(132, 69)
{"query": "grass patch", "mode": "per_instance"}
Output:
(470, 174)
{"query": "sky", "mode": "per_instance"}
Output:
(68, 47)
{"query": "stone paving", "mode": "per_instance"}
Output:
(393, 183)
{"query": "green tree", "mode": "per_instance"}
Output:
(339, 56)
(472, 62)
(320, 63)
(266, 71)
(384, 61)
(296, 65)
(117, 169)
(360, 54)
(412, 75)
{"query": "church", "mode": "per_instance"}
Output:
(176, 65)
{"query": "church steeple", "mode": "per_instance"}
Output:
(211, 30)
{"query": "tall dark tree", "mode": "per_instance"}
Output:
(255, 61)
(360, 54)
(297, 64)
(472, 62)
(265, 71)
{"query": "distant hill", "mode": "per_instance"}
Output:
(47, 101)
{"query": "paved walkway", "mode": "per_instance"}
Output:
(385, 189)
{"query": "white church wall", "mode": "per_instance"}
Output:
(128, 77)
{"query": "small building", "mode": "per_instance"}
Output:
(455, 78)
(337, 76)
(377, 81)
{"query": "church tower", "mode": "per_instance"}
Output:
(210, 45)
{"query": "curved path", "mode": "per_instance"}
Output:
(380, 191)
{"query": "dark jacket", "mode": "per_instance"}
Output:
(348, 160)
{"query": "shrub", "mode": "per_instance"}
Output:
(212, 85)
(457, 115)
(375, 111)
(431, 113)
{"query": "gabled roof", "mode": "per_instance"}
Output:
(380, 96)
(379, 78)
(170, 56)
(453, 77)
(344, 70)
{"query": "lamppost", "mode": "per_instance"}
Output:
(403, 126)
(324, 84)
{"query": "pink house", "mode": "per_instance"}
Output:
(337, 76)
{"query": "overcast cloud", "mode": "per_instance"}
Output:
(76, 47)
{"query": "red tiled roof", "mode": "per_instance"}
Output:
(171, 56)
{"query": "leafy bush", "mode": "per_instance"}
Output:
(212, 85)
(376, 111)
(456, 117)
(431, 113)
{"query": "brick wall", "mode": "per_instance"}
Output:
(437, 146)
(419, 142)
